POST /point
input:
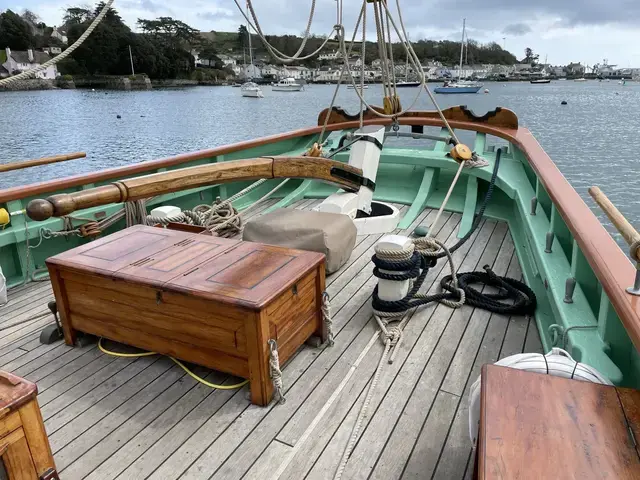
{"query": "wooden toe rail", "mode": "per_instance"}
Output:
(338, 173)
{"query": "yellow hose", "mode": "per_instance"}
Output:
(182, 365)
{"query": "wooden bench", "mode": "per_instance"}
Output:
(24, 446)
(538, 427)
(207, 300)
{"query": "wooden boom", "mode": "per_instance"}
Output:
(338, 173)
(7, 167)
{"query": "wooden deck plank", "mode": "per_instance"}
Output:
(429, 444)
(70, 444)
(178, 398)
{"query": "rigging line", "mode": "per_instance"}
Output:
(274, 51)
(352, 81)
(362, 59)
(381, 50)
(393, 67)
(64, 54)
(409, 48)
(344, 65)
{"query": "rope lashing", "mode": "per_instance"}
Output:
(559, 334)
(524, 299)
(326, 317)
(274, 370)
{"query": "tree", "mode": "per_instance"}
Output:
(170, 31)
(530, 57)
(29, 16)
(76, 16)
(15, 33)
(243, 36)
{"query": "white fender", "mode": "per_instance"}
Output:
(559, 364)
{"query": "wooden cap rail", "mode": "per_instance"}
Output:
(630, 234)
(338, 173)
(8, 167)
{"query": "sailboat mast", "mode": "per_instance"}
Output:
(250, 50)
(464, 22)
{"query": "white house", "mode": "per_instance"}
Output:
(297, 72)
(60, 34)
(227, 60)
(52, 50)
(331, 56)
(18, 61)
(327, 74)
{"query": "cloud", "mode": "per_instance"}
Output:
(568, 30)
(517, 29)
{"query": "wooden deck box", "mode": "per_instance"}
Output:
(208, 300)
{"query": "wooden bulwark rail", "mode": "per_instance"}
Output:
(8, 167)
(337, 173)
(629, 233)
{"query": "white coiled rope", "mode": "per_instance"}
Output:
(557, 362)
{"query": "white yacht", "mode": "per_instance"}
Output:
(251, 89)
(287, 85)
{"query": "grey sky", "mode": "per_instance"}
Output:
(564, 30)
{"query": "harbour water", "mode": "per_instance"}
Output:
(593, 139)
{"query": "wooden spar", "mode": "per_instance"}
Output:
(629, 233)
(40, 161)
(338, 173)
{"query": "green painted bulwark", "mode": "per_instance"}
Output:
(470, 202)
(427, 186)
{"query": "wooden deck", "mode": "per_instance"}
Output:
(145, 418)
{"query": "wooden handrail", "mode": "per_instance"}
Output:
(340, 174)
(629, 233)
(8, 167)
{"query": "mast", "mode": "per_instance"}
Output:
(250, 51)
(464, 22)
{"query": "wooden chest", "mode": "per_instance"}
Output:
(212, 301)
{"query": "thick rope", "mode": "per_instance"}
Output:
(274, 370)
(255, 25)
(63, 55)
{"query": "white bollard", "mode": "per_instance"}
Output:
(392, 290)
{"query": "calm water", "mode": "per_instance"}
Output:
(594, 139)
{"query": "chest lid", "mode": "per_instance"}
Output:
(148, 254)
(251, 274)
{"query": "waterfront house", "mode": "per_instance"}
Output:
(575, 69)
(329, 56)
(53, 50)
(20, 61)
(327, 75)
(61, 34)
(227, 60)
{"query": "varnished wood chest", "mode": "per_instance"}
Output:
(212, 301)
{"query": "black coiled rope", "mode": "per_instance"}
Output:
(513, 298)
(523, 298)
